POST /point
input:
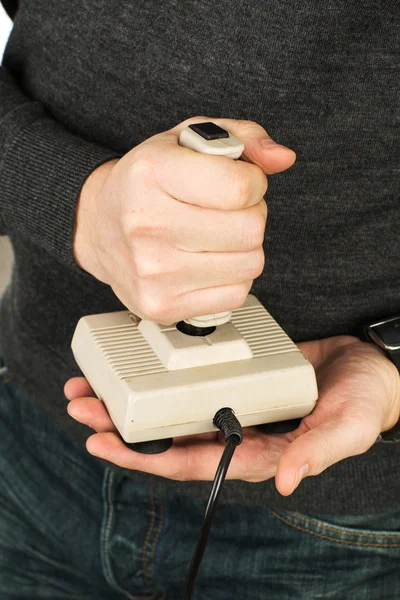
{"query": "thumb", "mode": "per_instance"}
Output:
(259, 148)
(321, 447)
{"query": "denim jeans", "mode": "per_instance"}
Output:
(71, 528)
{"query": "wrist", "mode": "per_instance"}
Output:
(84, 234)
(384, 335)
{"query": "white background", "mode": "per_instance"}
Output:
(5, 28)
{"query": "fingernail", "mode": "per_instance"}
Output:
(271, 145)
(301, 473)
(268, 144)
(77, 418)
(71, 411)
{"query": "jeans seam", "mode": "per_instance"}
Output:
(331, 538)
(150, 578)
(106, 529)
(148, 535)
(342, 532)
(157, 537)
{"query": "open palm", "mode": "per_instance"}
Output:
(359, 396)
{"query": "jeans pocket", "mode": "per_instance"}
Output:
(132, 522)
(375, 531)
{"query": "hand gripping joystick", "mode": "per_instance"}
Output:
(159, 382)
(207, 138)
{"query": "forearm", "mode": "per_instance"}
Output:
(42, 169)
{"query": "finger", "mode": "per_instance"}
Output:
(91, 412)
(320, 351)
(227, 231)
(260, 148)
(323, 446)
(215, 269)
(198, 459)
(210, 436)
(76, 387)
(188, 271)
(194, 303)
(206, 180)
(180, 462)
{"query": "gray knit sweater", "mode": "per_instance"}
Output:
(83, 82)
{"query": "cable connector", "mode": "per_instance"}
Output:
(227, 422)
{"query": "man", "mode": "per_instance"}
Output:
(106, 211)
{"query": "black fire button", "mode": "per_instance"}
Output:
(209, 131)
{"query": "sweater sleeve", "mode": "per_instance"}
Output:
(42, 169)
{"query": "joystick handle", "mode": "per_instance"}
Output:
(209, 138)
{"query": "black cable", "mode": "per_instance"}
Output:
(226, 421)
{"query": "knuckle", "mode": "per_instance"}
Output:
(248, 184)
(252, 227)
(264, 185)
(257, 264)
(239, 294)
(240, 189)
(256, 230)
(251, 129)
(259, 180)
(264, 211)
(148, 269)
(141, 168)
(139, 258)
(247, 124)
(156, 309)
